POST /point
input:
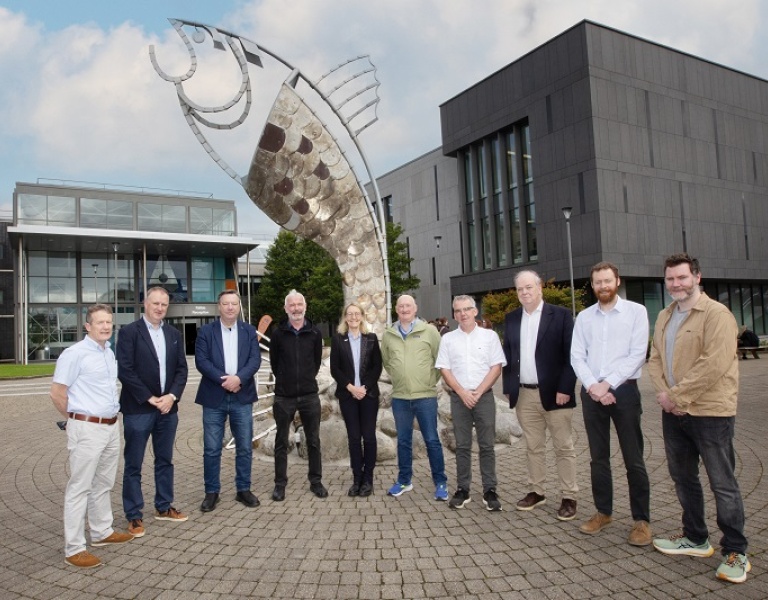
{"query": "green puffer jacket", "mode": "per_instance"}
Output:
(411, 361)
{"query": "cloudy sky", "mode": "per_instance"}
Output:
(80, 100)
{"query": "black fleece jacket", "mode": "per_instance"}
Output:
(295, 358)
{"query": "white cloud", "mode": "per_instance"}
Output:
(84, 102)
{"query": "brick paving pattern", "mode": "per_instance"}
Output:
(370, 548)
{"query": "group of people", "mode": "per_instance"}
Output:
(693, 367)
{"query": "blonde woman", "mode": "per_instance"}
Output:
(356, 367)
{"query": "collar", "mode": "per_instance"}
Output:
(150, 326)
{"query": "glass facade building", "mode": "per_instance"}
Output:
(74, 247)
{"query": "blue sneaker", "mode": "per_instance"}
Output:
(441, 492)
(399, 489)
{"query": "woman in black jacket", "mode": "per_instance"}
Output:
(356, 367)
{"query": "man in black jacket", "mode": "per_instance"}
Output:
(295, 352)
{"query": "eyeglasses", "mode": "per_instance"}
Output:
(466, 309)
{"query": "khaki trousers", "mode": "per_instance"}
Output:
(535, 421)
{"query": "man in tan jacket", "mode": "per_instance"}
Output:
(694, 368)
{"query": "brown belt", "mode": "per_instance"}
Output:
(90, 419)
(530, 386)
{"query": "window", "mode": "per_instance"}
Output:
(162, 217)
(46, 210)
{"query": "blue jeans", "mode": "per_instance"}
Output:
(686, 439)
(425, 412)
(137, 429)
(626, 415)
(241, 423)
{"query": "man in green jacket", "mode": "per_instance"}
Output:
(409, 350)
(694, 368)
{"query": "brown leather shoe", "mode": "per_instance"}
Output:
(567, 510)
(596, 523)
(640, 534)
(83, 560)
(531, 501)
(136, 527)
(115, 538)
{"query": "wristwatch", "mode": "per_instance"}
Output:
(173, 396)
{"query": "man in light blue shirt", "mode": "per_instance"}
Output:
(610, 343)
(84, 390)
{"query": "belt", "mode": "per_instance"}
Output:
(90, 419)
(530, 386)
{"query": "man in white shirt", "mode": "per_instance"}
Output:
(84, 390)
(470, 359)
(540, 384)
(610, 343)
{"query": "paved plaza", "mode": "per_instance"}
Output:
(377, 547)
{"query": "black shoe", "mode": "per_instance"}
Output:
(366, 489)
(354, 489)
(460, 499)
(209, 502)
(246, 497)
(318, 489)
(279, 494)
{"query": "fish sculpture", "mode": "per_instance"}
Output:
(299, 175)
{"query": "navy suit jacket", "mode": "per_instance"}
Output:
(552, 355)
(138, 367)
(209, 360)
(343, 365)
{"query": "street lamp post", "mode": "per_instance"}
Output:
(438, 239)
(115, 246)
(95, 286)
(567, 214)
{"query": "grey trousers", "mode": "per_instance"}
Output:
(483, 418)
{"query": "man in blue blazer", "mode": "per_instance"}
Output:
(540, 384)
(227, 355)
(152, 367)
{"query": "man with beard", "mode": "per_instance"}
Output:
(694, 368)
(610, 341)
(295, 352)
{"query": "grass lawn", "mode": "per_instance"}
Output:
(13, 371)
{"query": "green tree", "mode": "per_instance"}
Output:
(400, 278)
(296, 263)
(497, 305)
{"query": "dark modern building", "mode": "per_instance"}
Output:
(656, 151)
(69, 247)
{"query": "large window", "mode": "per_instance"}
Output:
(211, 221)
(209, 277)
(514, 197)
(530, 202)
(46, 210)
(106, 214)
(51, 329)
(169, 273)
(97, 283)
(162, 217)
(52, 277)
(469, 188)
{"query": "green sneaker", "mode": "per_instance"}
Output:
(734, 568)
(679, 544)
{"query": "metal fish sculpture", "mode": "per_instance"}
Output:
(299, 175)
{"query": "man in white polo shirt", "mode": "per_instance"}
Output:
(84, 390)
(470, 359)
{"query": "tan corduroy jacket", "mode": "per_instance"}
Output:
(705, 363)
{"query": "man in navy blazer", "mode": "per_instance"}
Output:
(540, 384)
(227, 355)
(152, 367)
